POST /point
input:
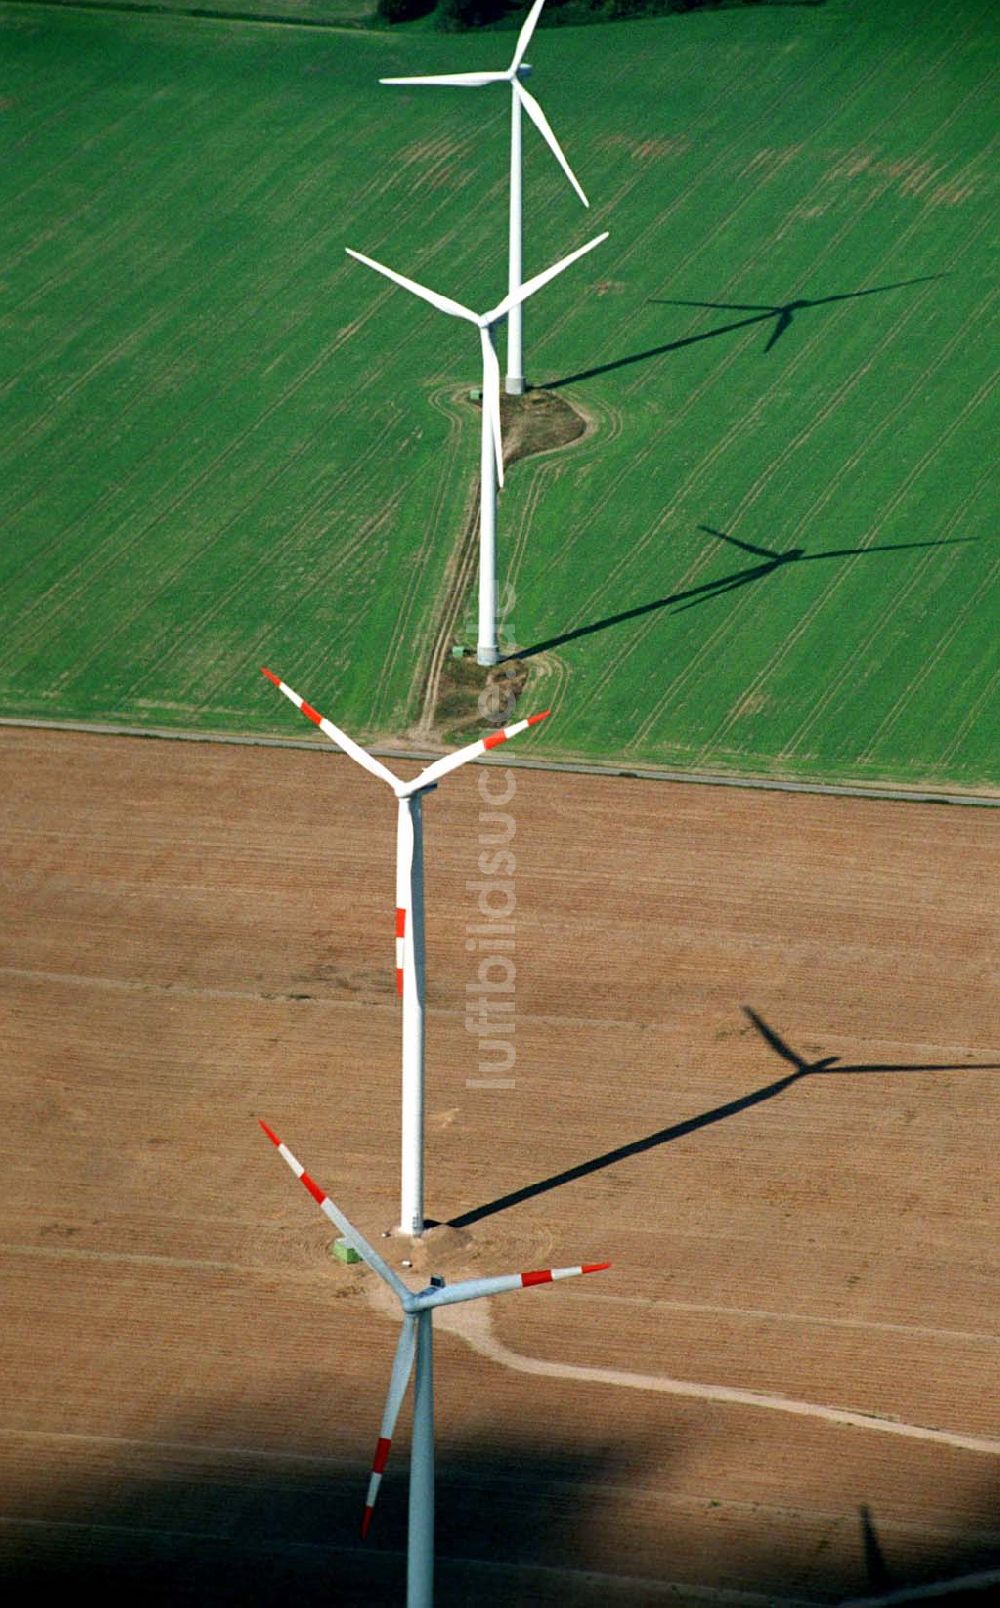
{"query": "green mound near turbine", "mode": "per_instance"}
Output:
(344, 1252)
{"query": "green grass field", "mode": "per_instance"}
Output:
(223, 443)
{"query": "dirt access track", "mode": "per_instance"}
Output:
(785, 1388)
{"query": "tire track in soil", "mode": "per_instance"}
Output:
(695, 569)
(594, 602)
(77, 265)
(298, 268)
(792, 638)
(606, 424)
(327, 353)
(274, 554)
(848, 671)
(473, 1323)
(459, 570)
(641, 241)
(972, 715)
(112, 547)
(463, 563)
(444, 403)
(169, 578)
(945, 640)
(442, 152)
(711, 643)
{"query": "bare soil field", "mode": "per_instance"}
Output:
(784, 1389)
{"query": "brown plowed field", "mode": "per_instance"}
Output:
(194, 935)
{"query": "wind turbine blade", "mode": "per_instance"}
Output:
(466, 80)
(531, 285)
(491, 396)
(402, 1367)
(462, 756)
(524, 37)
(336, 1216)
(356, 752)
(472, 1289)
(443, 303)
(544, 128)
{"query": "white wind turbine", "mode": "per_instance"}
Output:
(513, 75)
(409, 927)
(491, 445)
(416, 1344)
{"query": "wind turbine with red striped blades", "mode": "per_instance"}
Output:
(513, 75)
(491, 444)
(416, 1347)
(409, 926)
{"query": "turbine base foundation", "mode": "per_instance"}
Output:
(514, 385)
(487, 655)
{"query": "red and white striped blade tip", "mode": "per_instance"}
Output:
(307, 709)
(379, 1461)
(506, 732)
(546, 1275)
(309, 1183)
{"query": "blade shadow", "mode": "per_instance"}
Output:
(760, 313)
(679, 1130)
(833, 1063)
(782, 312)
(878, 1578)
(703, 593)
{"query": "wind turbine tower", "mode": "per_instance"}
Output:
(409, 927)
(514, 75)
(491, 444)
(416, 1346)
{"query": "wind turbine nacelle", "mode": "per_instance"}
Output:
(525, 70)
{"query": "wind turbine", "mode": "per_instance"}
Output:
(491, 445)
(513, 75)
(409, 926)
(416, 1344)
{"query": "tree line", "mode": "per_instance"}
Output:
(457, 16)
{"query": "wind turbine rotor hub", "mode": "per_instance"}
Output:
(525, 70)
(414, 790)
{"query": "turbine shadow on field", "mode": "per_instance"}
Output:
(770, 563)
(705, 1119)
(759, 313)
(875, 1566)
(196, 1515)
(184, 1519)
